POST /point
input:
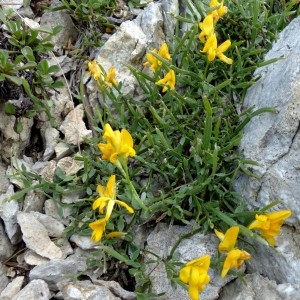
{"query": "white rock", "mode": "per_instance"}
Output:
(36, 237)
(84, 242)
(64, 246)
(8, 213)
(12, 288)
(48, 171)
(53, 226)
(15, 4)
(288, 291)
(4, 182)
(35, 289)
(84, 290)
(33, 259)
(60, 213)
(74, 128)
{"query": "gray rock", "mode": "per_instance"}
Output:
(251, 287)
(51, 19)
(35, 235)
(74, 127)
(62, 150)
(8, 213)
(12, 288)
(54, 271)
(35, 289)
(15, 4)
(4, 182)
(53, 226)
(116, 289)
(6, 248)
(51, 136)
(161, 241)
(33, 201)
(64, 246)
(69, 165)
(58, 212)
(85, 291)
(48, 171)
(12, 143)
(281, 264)
(288, 291)
(3, 278)
(273, 140)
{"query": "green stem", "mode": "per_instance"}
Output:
(122, 166)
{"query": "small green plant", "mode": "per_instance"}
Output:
(172, 156)
(24, 70)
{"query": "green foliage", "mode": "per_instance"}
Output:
(22, 66)
(186, 139)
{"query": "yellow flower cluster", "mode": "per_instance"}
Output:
(109, 79)
(107, 201)
(208, 35)
(117, 149)
(270, 224)
(194, 273)
(119, 144)
(169, 80)
(235, 257)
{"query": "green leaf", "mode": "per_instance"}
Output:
(19, 126)
(10, 109)
(14, 79)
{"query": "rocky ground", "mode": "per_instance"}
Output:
(39, 262)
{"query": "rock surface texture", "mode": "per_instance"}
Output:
(38, 260)
(273, 140)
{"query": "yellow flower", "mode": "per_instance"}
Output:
(153, 61)
(95, 70)
(212, 49)
(234, 259)
(119, 144)
(108, 199)
(207, 27)
(270, 224)
(168, 81)
(110, 78)
(219, 12)
(164, 52)
(98, 227)
(228, 239)
(194, 273)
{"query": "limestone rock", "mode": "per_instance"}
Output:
(6, 248)
(161, 241)
(35, 235)
(51, 136)
(35, 289)
(8, 213)
(3, 278)
(254, 287)
(53, 272)
(69, 165)
(33, 259)
(51, 19)
(273, 140)
(74, 127)
(12, 288)
(85, 290)
(33, 201)
(84, 242)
